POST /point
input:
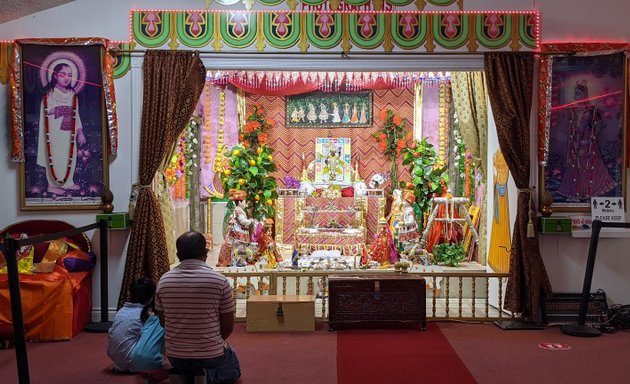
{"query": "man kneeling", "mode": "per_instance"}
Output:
(196, 308)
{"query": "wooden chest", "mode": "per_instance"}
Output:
(377, 299)
(278, 313)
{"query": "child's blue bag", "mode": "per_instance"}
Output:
(148, 353)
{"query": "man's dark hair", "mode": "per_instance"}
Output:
(191, 245)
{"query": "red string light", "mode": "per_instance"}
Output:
(584, 100)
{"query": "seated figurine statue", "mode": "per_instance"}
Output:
(237, 238)
(407, 228)
(377, 181)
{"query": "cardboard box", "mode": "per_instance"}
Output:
(555, 224)
(278, 313)
(116, 220)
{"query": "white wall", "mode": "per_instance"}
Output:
(564, 256)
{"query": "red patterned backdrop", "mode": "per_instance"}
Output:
(290, 143)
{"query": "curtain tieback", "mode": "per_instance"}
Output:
(531, 233)
(133, 198)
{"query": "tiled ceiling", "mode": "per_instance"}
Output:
(14, 9)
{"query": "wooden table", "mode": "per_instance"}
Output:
(377, 299)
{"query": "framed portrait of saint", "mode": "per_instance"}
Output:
(587, 128)
(63, 120)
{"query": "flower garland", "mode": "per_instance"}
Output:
(183, 161)
(206, 124)
(443, 123)
(72, 137)
(468, 175)
(219, 159)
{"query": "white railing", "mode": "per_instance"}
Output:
(477, 296)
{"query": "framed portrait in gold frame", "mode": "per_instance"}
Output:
(63, 113)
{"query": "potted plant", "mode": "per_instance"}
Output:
(427, 178)
(250, 164)
(450, 254)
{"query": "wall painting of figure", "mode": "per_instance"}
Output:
(586, 130)
(60, 108)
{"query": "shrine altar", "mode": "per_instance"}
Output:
(346, 224)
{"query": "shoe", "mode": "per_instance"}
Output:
(199, 377)
(175, 377)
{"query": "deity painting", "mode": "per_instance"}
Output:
(587, 130)
(332, 161)
(65, 135)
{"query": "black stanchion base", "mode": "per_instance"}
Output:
(509, 325)
(101, 327)
(580, 330)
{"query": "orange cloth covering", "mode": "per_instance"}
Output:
(47, 303)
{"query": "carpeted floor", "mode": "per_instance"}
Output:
(370, 356)
(445, 353)
(496, 356)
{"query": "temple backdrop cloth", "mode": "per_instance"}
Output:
(290, 143)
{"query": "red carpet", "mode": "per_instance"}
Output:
(398, 356)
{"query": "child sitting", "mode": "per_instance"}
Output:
(127, 325)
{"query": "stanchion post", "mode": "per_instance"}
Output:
(580, 329)
(11, 246)
(104, 324)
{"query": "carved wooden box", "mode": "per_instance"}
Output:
(377, 299)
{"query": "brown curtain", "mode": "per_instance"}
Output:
(172, 84)
(510, 83)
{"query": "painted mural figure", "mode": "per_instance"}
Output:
(301, 114)
(363, 118)
(355, 114)
(346, 113)
(585, 173)
(335, 113)
(499, 251)
(323, 113)
(295, 115)
(312, 113)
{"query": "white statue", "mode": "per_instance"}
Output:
(306, 188)
(377, 181)
(360, 189)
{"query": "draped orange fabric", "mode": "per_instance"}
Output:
(47, 303)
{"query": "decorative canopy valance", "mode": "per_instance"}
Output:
(301, 32)
(278, 83)
(292, 32)
(336, 4)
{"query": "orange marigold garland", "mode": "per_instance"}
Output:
(392, 138)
